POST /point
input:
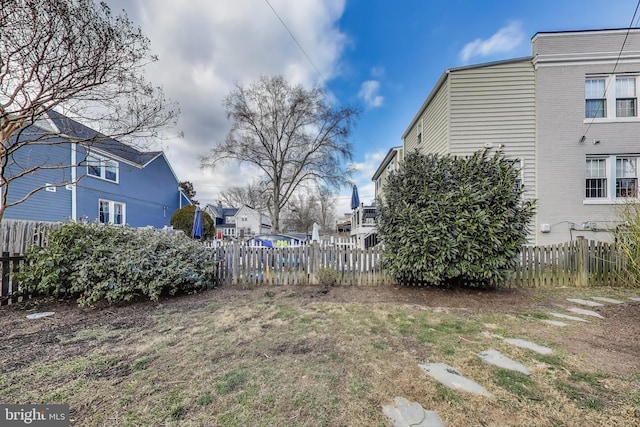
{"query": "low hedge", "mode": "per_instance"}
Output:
(94, 262)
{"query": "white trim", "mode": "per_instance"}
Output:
(112, 204)
(103, 168)
(74, 179)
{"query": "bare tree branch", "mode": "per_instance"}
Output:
(76, 57)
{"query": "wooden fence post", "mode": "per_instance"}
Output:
(582, 262)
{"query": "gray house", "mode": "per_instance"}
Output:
(568, 115)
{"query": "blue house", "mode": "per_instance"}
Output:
(102, 180)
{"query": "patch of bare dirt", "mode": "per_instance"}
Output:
(612, 343)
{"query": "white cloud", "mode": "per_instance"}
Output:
(505, 40)
(369, 93)
(205, 47)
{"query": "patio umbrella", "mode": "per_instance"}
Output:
(315, 234)
(355, 199)
(196, 232)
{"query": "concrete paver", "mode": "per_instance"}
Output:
(566, 316)
(529, 345)
(609, 300)
(555, 322)
(585, 302)
(404, 413)
(494, 357)
(450, 377)
(585, 312)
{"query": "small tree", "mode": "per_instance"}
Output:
(188, 190)
(453, 220)
(182, 219)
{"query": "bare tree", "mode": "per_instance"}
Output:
(327, 206)
(302, 211)
(73, 56)
(251, 195)
(290, 133)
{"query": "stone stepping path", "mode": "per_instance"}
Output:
(451, 378)
(404, 413)
(495, 358)
(585, 312)
(568, 317)
(609, 300)
(529, 345)
(585, 302)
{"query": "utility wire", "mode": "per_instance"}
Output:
(298, 43)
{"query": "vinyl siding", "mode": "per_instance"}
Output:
(495, 105)
(436, 123)
(150, 194)
(43, 205)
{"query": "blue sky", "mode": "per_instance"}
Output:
(383, 56)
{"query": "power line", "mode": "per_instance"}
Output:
(606, 89)
(297, 43)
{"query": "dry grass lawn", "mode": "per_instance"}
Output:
(310, 356)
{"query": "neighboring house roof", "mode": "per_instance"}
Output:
(444, 77)
(393, 151)
(100, 142)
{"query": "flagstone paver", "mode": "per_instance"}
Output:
(529, 345)
(494, 357)
(404, 413)
(585, 302)
(609, 300)
(451, 378)
(585, 312)
(555, 322)
(568, 317)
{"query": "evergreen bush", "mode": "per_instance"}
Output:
(182, 219)
(453, 220)
(93, 262)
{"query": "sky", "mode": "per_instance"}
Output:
(381, 56)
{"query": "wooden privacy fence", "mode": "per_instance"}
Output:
(307, 264)
(10, 287)
(17, 236)
(576, 263)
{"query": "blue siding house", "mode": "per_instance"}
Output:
(102, 181)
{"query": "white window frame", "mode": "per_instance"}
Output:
(611, 178)
(111, 204)
(419, 131)
(102, 164)
(611, 96)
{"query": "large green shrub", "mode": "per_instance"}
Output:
(182, 219)
(453, 220)
(93, 262)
